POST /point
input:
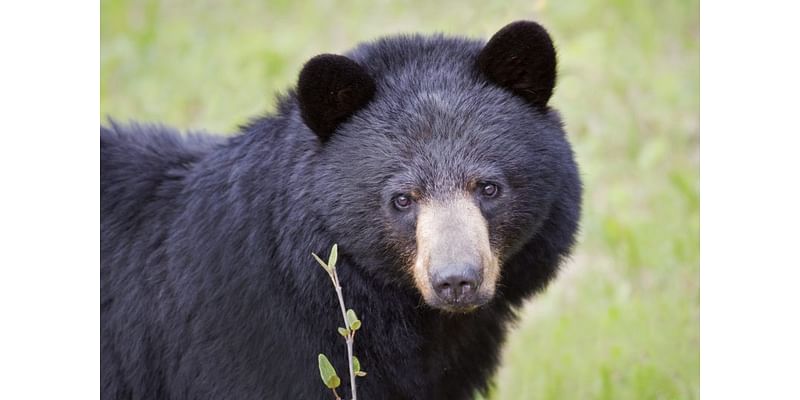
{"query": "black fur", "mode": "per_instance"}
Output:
(521, 57)
(208, 289)
(330, 89)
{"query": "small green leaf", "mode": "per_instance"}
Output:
(355, 325)
(333, 256)
(322, 263)
(344, 332)
(327, 373)
(334, 382)
(361, 373)
(356, 364)
(352, 320)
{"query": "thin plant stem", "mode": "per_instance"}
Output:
(350, 337)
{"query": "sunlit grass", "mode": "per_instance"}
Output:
(622, 321)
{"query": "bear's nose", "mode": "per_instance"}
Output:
(457, 284)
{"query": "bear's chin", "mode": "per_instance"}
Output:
(459, 310)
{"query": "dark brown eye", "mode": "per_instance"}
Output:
(402, 202)
(489, 189)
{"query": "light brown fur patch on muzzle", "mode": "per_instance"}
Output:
(453, 233)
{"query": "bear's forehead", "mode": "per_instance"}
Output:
(433, 156)
(420, 120)
(414, 56)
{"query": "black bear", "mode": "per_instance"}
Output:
(434, 162)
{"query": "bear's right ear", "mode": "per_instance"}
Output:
(330, 89)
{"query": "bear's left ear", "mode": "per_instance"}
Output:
(330, 89)
(521, 57)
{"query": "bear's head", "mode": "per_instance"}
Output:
(439, 158)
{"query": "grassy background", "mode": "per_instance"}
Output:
(622, 321)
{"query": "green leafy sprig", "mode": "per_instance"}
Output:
(348, 332)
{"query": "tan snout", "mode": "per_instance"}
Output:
(455, 268)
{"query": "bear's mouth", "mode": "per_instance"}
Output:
(455, 269)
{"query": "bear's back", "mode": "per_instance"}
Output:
(144, 164)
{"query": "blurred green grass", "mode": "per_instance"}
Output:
(622, 321)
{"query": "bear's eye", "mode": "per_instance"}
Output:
(489, 189)
(401, 202)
